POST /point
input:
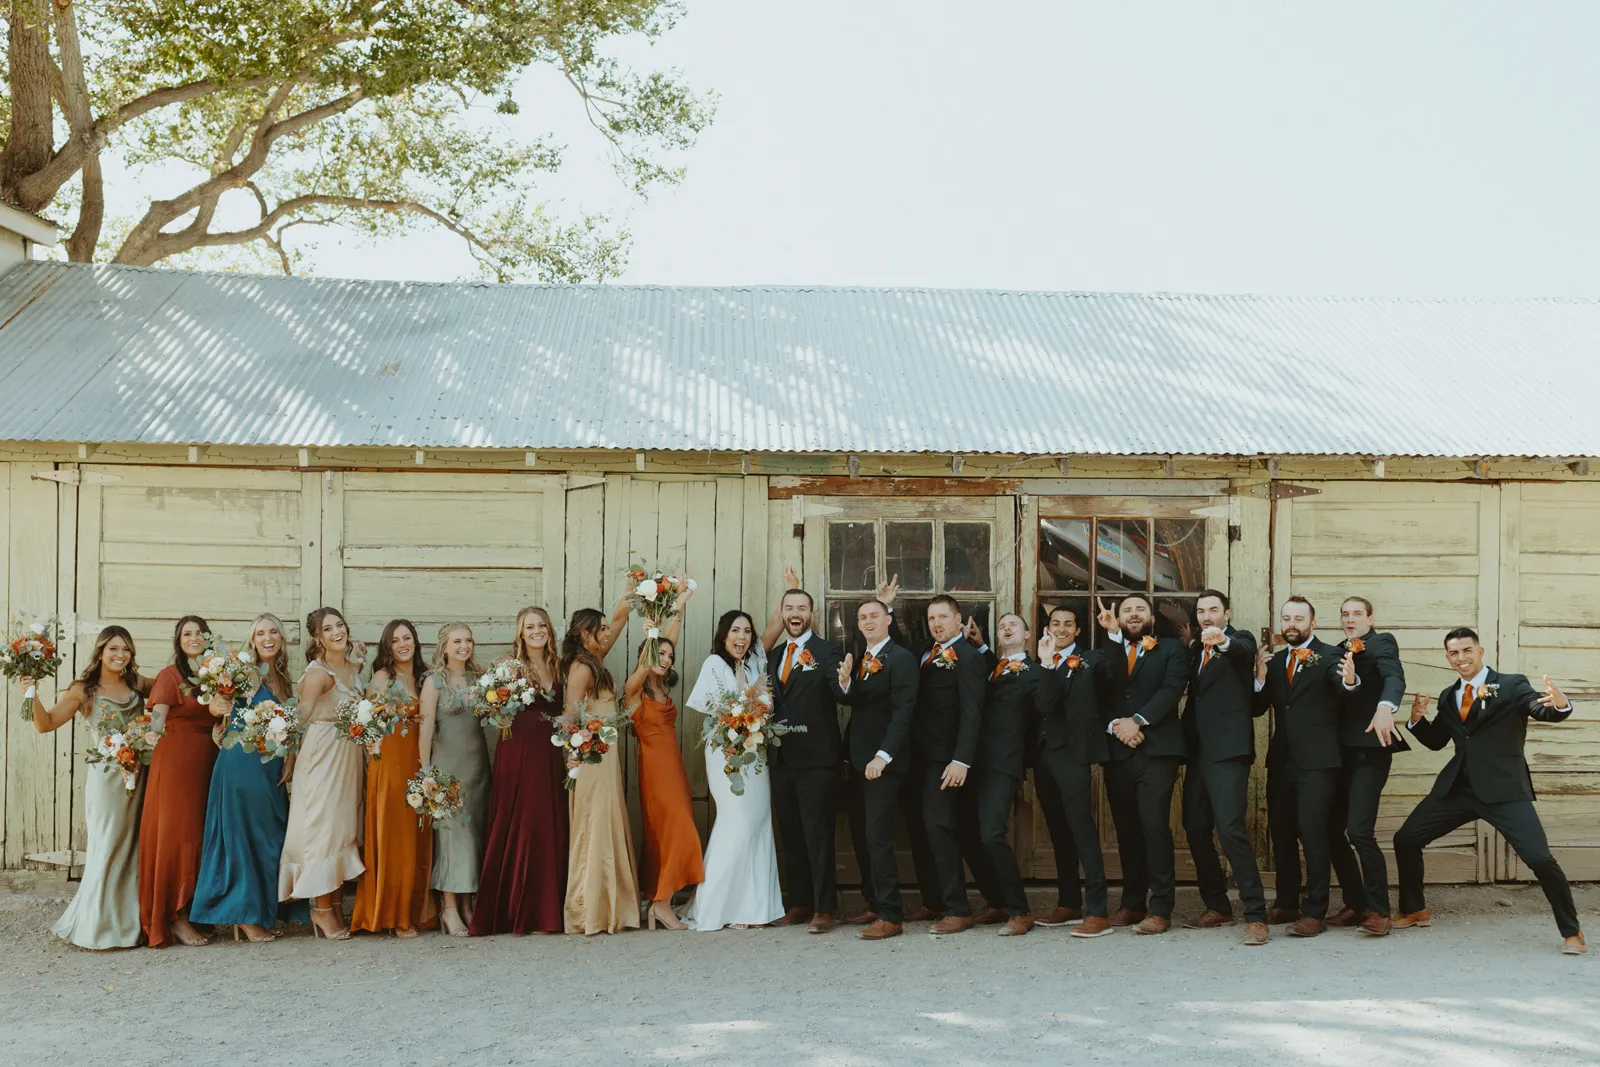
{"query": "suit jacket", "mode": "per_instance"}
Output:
(1218, 720)
(807, 701)
(949, 704)
(1382, 678)
(1074, 716)
(882, 706)
(1011, 713)
(1152, 692)
(1307, 723)
(1489, 745)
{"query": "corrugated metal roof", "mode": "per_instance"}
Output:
(121, 354)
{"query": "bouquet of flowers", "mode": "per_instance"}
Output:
(741, 725)
(221, 672)
(587, 738)
(434, 794)
(34, 653)
(271, 730)
(501, 694)
(125, 745)
(366, 721)
(654, 595)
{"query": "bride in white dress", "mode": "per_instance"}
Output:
(741, 862)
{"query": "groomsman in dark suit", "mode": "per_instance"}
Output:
(1369, 740)
(1073, 740)
(1485, 714)
(1148, 676)
(805, 768)
(1305, 683)
(882, 695)
(1060, 634)
(1219, 732)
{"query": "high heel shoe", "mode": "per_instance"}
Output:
(248, 936)
(669, 921)
(450, 919)
(317, 930)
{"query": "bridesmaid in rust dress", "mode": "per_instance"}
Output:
(172, 828)
(672, 859)
(398, 847)
(523, 885)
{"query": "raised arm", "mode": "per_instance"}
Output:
(774, 628)
(674, 625)
(73, 701)
(580, 685)
(1551, 706)
(633, 688)
(1431, 732)
(380, 682)
(614, 628)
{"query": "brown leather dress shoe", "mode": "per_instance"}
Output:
(1574, 945)
(1376, 925)
(924, 915)
(1348, 917)
(992, 917)
(1279, 916)
(1062, 917)
(1126, 917)
(1416, 918)
(1093, 926)
(1016, 925)
(1256, 933)
(1153, 924)
(880, 929)
(821, 923)
(1210, 919)
(865, 918)
(1306, 926)
(793, 917)
(953, 924)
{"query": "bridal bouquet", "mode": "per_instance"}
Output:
(34, 653)
(654, 594)
(221, 672)
(585, 738)
(125, 745)
(741, 725)
(501, 694)
(364, 721)
(434, 794)
(271, 730)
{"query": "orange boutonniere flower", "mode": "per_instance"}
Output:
(1014, 666)
(805, 660)
(1147, 642)
(872, 665)
(1355, 646)
(1074, 662)
(944, 658)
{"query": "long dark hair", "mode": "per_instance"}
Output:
(90, 678)
(314, 647)
(383, 659)
(585, 621)
(671, 678)
(180, 658)
(719, 643)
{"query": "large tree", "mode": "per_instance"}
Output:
(356, 113)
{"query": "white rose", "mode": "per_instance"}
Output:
(251, 717)
(750, 743)
(757, 738)
(647, 589)
(414, 799)
(278, 724)
(557, 740)
(114, 741)
(692, 586)
(486, 681)
(247, 657)
(364, 715)
(38, 628)
(733, 735)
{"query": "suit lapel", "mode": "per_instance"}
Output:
(1480, 704)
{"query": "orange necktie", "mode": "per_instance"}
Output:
(1295, 656)
(1133, 656)
(998, 669)
(1205, 657)
(788, 664)
(1466, 701)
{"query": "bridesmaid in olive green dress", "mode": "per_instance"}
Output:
(453, 740)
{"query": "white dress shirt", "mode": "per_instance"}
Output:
(1260, 685)
(1060, 656)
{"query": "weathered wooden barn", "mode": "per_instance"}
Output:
(222, 444)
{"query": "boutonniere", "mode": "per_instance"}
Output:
(1306, 657)
(1148, 642)
(871, 666)
(945, 658)
(1073, 663)
(1488, 692)
(805, 660)
(1355, 646)
(1014, 666)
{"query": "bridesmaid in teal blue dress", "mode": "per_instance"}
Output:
(247, 813)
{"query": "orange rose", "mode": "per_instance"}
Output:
(873, 665)
(1074, 662)
(1148, 642)
(357, 730)
(1356, 646)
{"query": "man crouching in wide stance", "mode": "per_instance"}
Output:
(1486, 715)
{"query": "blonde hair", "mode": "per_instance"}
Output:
(441, 657)
(278, 672)
(520, 651)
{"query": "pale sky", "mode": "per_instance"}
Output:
(1395, 147)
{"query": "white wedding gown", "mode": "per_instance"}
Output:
(741, 861)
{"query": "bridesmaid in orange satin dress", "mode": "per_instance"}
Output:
(672, 859)
(398, 850)
(172, 827)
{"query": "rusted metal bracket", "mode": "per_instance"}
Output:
(1272, 490)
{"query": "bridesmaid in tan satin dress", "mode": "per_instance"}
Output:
(602, 887)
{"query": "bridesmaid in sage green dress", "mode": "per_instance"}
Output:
(104, 912)
(453, 740)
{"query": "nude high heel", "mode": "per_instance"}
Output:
(318, 931)
(238, 928)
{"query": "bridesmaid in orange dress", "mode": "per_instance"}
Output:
(398, 850)
(172, 828)
(672, 859)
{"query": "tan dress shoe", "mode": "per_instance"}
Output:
(1093, 926)
(1017, 924)
(1257, 933)
(1306, 926)
(1153, 924)
(821, 923)
(879, 929)
(1376, 925)
(1574, 945)
(793, 917)
(953, 924)
(992, 917)
(1126, 917)
(1347, 917)
(1210, 919)
(1062, 917)
(1416, 918)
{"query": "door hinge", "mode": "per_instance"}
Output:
(1273, 490)
(74, 476)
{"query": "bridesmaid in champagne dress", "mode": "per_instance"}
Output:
(320, 848)
(602, 889)
(172, 826)
(104, 912)
(523, 884)
(453, 741)
(672, 858)
(398, 847)
(247, 811)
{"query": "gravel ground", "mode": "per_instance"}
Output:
(1484, 986)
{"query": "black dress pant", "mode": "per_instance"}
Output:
(1069, 890)
(1215, 796)
(805, 802)
(1283, 831)
(1365, 876)
(917, 835)
(1140, 790)
(992, 796)
(1315, 792)
(951, 819)
(1073, 784)
(873, 804)
(1517, 821)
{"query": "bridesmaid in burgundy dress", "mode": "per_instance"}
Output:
(523, 885)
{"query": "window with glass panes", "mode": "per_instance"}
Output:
(1086, 558)
(930, 556)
